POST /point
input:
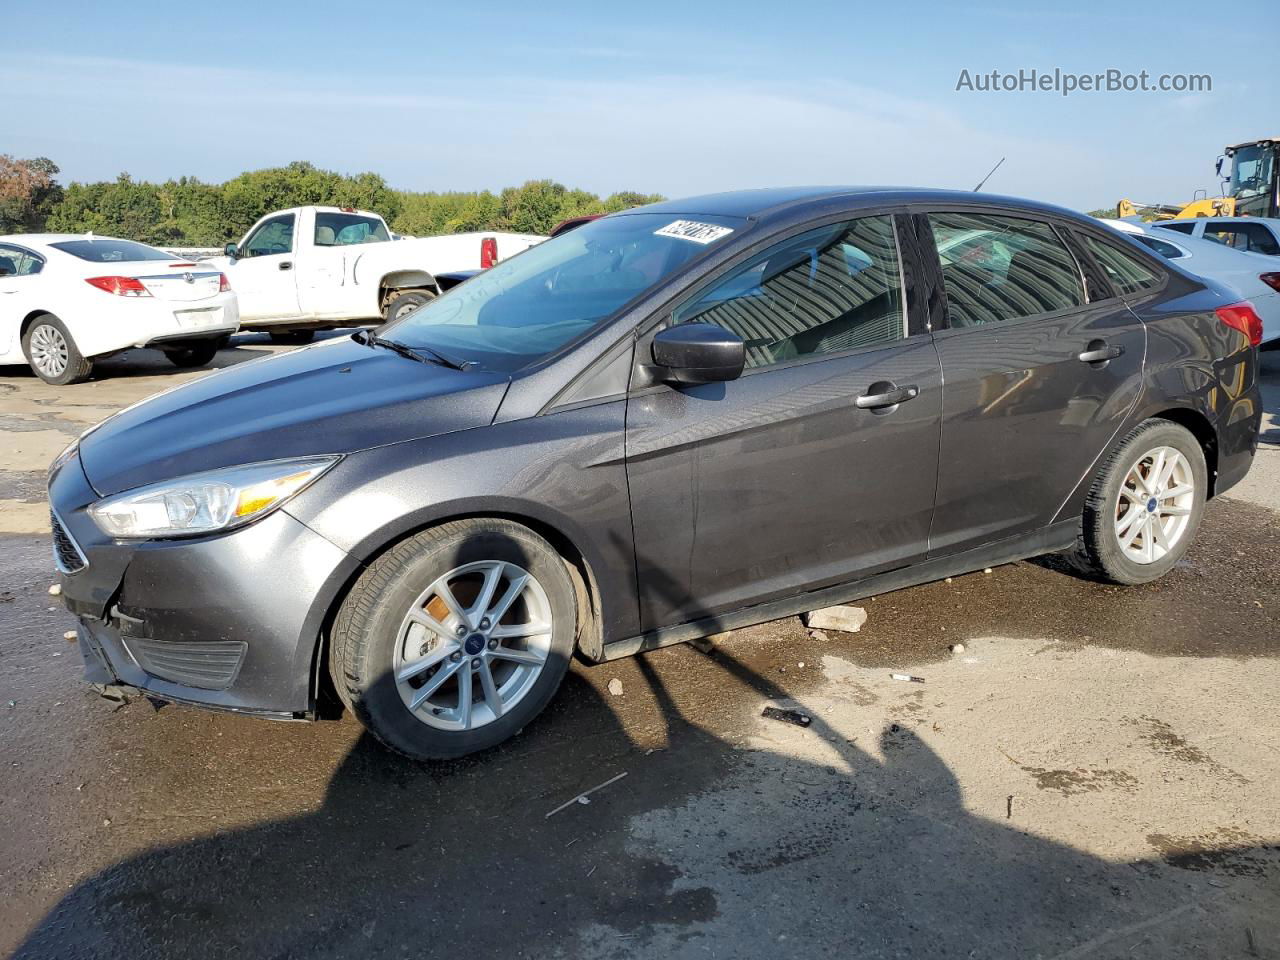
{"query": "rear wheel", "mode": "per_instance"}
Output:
(294, 337)
(52, 353)
(1145, 505)
(195, 354)
(456, 638)
(405, 303)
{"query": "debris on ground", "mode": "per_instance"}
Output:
(55, 590)
(794, 717)
(1008, 807)
(818, 635)
(845, 618)
(70, 636)
(615, 687)
(948, 580)
(956, 648)
(112, 692)
(7, 597)
(986, 570)
(702, 644)
(906, 678)
(584, 796)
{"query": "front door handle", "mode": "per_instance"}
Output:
(1098, 352)
(885, 394)
(286, 265)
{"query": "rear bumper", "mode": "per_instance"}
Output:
(134, 322)
(230, 622)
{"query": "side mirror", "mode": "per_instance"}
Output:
(231, 250)
(698, 353)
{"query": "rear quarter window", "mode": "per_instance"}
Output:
(1128, 274)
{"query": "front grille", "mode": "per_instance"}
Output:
(211, 665)
(66, 552)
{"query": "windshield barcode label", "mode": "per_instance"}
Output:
(693, 230)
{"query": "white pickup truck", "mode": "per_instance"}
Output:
(313, 268)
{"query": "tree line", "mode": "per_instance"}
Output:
(187, 212)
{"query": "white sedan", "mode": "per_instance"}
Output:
(67, 299)
(1253, 275)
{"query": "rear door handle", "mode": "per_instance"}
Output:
(286, 265)
(1099, 352)
(886, 395)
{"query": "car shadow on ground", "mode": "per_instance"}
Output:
(706, 847)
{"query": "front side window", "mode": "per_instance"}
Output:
(1128, 274)
(998, 268)
(272, 236)
(345, 229)
(828, 290)
(530, 306)
(11, 261)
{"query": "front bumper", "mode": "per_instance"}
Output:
(230, 621)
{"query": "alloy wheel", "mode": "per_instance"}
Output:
(472, 645)
(49, 351)
(1154, 508)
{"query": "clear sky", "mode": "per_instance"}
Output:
(658, 96)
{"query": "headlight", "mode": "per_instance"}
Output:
(206, 502)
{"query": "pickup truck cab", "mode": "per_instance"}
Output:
(314, 268)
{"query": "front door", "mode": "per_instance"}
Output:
(818, 465)
(263, 276)
(1038, 381)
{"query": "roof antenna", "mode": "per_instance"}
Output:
(988, 176)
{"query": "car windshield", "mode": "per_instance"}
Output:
(1251, 171)
(105, 250)
(530, 306)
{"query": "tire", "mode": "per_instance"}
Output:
(1153, 547)
(196, 354)
(374, 639)
(52, 353)
(405, 303)
(292, 337)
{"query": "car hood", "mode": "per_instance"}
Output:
(336, 397)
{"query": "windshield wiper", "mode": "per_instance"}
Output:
(421, 354)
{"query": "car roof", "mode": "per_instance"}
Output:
(1272, 221)
(762, 204)
(45, 240)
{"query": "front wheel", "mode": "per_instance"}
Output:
(52, 353)
(1145, 505)
(455, 638)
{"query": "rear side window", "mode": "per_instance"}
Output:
(1253, 237)
(1162, 247)
(1128, 274)
(1180, 227)
(101, 250)
(825, 291)
(345, 229)
(997, 269)
(16, 262)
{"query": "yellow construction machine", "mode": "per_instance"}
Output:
(1252, 189)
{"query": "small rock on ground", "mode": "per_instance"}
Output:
(615, 687)
(845, 618)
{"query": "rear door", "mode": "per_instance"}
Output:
(1039, 377)
(818, 465)
(263, 275)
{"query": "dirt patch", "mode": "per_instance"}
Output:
(1225, 850)
(1081, 780)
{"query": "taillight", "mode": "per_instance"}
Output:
(1243, 317)
(223, 286)
(488, 252)
(1272, 280)
(120, 286)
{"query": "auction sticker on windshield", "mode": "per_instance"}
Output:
(693, 230)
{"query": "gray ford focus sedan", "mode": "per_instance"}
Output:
(670, 422)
